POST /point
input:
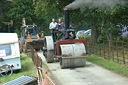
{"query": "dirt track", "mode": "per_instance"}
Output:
(91, 74)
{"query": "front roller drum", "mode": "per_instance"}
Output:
(66, 62)
(72, 55)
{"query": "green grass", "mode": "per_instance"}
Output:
(109, 64)
(27, 68)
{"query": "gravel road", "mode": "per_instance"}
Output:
(91, 74)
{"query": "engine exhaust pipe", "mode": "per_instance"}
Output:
(66, 14)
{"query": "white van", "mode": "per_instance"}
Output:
(9, 51)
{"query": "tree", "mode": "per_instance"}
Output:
(19, 10)
(4, 7)
(102, 20)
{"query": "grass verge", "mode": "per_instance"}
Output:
(27, 68)
(109, 64)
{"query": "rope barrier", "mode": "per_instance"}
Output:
(45, 81)
(46, 74)
(40, 74)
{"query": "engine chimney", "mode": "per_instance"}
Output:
(66, 14)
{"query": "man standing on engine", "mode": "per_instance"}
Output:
(60, 24)
(53, 26)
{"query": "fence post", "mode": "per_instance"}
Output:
(117, 51)
(40, 62)
(32, 53)
(86, 46)
(96, 48)
(123, 56)
(90, 47)
(109, 48)
(93, 47)
(113, 53)
(104, 49)
(100, 49)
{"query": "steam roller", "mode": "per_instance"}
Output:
(71, 52)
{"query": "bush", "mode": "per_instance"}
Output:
(122, 38)
(18, 32)
(125, 38)
(87, 37)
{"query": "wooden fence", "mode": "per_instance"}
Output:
(33, 54)
(115, 50)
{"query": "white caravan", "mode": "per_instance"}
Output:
(9, 51)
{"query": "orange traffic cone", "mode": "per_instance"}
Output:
(46, 79)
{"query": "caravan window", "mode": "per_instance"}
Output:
(7, 50)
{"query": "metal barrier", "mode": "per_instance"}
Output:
(115, 50)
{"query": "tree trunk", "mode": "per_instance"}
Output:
(94, 34)
(109, 37)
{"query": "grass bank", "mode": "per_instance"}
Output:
(109, 64)
(28, 68)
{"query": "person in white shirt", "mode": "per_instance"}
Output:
(52, 27)
(53, 24)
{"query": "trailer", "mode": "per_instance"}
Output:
(9, 53)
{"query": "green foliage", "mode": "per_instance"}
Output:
(87, 37)
(45, 10)
(4, 7)
(101, 37)
(18, 32)
(102, 20)
(21, 9)
(125, 38)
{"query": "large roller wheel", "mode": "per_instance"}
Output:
(72, 55)
(49, 52)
